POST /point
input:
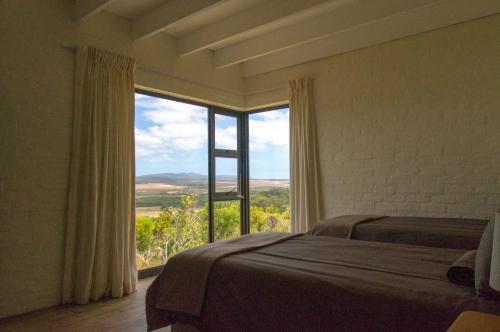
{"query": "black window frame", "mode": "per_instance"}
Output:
(241, 194)
(242, 155)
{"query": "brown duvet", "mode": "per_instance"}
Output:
(451, 233)
(317, 283)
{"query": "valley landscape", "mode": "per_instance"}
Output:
(172, 212)
(157, 191)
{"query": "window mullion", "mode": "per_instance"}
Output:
(240, 155)
(211, 173)
(245, 177)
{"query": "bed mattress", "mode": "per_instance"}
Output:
(318, 283)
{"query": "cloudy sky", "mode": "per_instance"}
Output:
(172, 137)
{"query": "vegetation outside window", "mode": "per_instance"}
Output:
(171, 178)
(205, 174)
(269, 171)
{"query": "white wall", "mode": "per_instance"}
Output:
(36, 91)
(409, 127)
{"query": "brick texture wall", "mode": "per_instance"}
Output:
(35, 108)
(412, 127)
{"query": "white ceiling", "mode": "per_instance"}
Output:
(132, 9)
(266, 35)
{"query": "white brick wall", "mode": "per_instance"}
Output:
(408, 127)
(412, 127)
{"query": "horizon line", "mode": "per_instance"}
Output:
(201, 174)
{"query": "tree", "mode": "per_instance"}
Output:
(226, 220)
(173, 231)
(186, 226)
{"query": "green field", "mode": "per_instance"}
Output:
(172, 216)
(168, 191)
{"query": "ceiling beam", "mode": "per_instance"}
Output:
(351, 14)
(434, 16)
(166, 15)
(256, 20)
(84, 9)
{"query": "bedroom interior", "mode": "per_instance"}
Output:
(241, 165)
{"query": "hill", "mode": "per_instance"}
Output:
(189, 179)
(175, 179)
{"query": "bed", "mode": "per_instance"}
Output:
(453, 233)
(297, 282)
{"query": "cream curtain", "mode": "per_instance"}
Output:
(100, 234)
(304, 204)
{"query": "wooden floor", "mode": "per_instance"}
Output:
(124, 314)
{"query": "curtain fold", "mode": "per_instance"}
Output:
(304, 195)
(100, 231)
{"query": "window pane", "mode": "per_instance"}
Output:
(226, 220)
(226, 175)
(226, 132)
(269, 171)
(171, 178)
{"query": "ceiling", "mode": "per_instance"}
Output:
(266, 35)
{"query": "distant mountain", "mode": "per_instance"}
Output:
(172, 178)
(188, 179)
(179, 178)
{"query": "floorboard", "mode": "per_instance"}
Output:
(124, 314)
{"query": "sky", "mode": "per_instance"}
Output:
(172, 137)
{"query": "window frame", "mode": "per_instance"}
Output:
(242, 155)
(213, 153)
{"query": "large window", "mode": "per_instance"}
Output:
(171, 178)
(205, 174)
(227, 177)
(269, 171)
